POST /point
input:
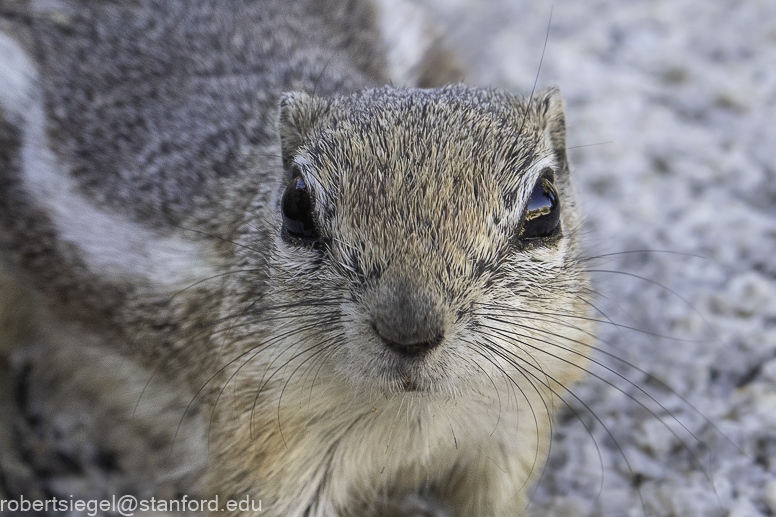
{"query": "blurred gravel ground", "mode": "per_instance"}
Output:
(683, 93)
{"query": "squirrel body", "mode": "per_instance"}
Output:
(349, 298)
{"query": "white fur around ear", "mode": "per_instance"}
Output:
(550, 104)
(298, 113)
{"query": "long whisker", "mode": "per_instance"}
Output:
(588, 145)
(538, 71)
(582, 258)
(218, 372)
(600, 378)
(265, 380)
(257, 349)
(495, 349)
(576, 316)
(323, 346)
(578, 399)
(615, 357)
(202, 281)
(507, 356)
(220, 238)
(654, 282)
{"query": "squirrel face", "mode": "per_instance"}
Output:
(438, 229)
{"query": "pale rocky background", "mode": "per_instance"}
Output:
(681, 97)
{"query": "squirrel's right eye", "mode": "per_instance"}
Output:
(297, 209)
(542, 215)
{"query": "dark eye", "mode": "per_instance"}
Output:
(297, 208)
(542, 215)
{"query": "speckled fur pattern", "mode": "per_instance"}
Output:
(145, 151)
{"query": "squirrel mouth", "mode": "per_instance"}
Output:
(408, 384)
(411, 381)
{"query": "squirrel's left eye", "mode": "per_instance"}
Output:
(297, 208)
(542, 215)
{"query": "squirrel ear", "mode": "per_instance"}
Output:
(298, 113)
(550, 104)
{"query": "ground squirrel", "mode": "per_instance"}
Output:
(264, 273)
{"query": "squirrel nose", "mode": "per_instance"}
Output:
(407, 321)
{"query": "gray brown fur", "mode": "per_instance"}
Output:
(154, 240)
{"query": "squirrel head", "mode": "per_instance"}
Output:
(425, 217)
